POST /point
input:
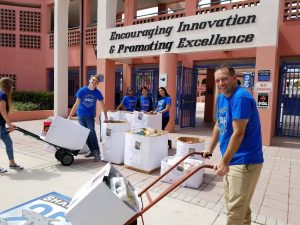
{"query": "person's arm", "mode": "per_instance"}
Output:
(166, 109)
(74, 108)
(121, 106)
(213, 141)
(239, 128)
(5, 115)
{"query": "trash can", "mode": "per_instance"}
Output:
(186, 145)
(145, 148)
(113, 140)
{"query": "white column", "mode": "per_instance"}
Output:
(106, 18)
(61, 11)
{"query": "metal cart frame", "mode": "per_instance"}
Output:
(152, 202)
(64, 155)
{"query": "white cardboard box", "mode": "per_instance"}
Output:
(67, 134)
(96, 204)
(142, 120)
(184, 147)
(145, 152)
(121, 115)
(113, 140)
(193, 182)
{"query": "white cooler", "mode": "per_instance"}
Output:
(95, 203)
(141, 120)
(193, 182)
(186, 145)
(145, 153)
(113, 140)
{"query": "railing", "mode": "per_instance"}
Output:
(225, 5)
(165, 15)
(291, 10)
(73, 37)
(91, 35)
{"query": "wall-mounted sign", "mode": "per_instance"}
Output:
(263, 75)
(226, 30)
(263, 87)
(101, 77)
(248, 79)
(262, 100)
(163, 80)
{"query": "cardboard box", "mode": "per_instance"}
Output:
(67, 134)
(193, 182)
(141, 120)
(186, 145)
(113, 140)
(145, 152)
(96, 204)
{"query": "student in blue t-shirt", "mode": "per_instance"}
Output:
(85, 106)
(129, 101)
(6, 88)
(163, 106)
(239, 133)
(144, 102)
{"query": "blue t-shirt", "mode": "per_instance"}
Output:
(240, 105)
(145, 103)
(3, 96)
(88, 99)
(129, 103)
(162, 104)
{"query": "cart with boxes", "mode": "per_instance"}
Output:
(108, 191)
(67, 137)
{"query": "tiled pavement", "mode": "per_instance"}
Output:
(276, 200)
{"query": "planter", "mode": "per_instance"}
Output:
(17, 116)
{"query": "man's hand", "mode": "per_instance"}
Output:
(97, 120)
(207, 154)
(11, 127)
(221, 169)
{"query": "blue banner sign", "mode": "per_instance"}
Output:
(263, 75)
(248, 79)
(48, 209)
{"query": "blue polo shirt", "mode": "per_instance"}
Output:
(129, 103)
(162, 104)
(88, 99)
(240, 105)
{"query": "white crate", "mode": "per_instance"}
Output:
(113, 140)
(67, 134)
(142, 120)
(193, 182)
(186, 145)
(95, 203)
(145, 152)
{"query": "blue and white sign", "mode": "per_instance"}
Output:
(48, 209)
(263, 75)
(248, 79)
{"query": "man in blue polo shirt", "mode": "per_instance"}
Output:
(85, 107)
(239, 133)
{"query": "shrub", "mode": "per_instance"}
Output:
(30, 100)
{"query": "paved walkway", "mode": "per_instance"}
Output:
(276, 200)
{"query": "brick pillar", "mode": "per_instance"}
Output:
(129, 11)
(190, 7)
(168, 64)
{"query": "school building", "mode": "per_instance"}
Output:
(57, 44)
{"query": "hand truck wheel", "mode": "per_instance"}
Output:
(58, 154)
(67, 159)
